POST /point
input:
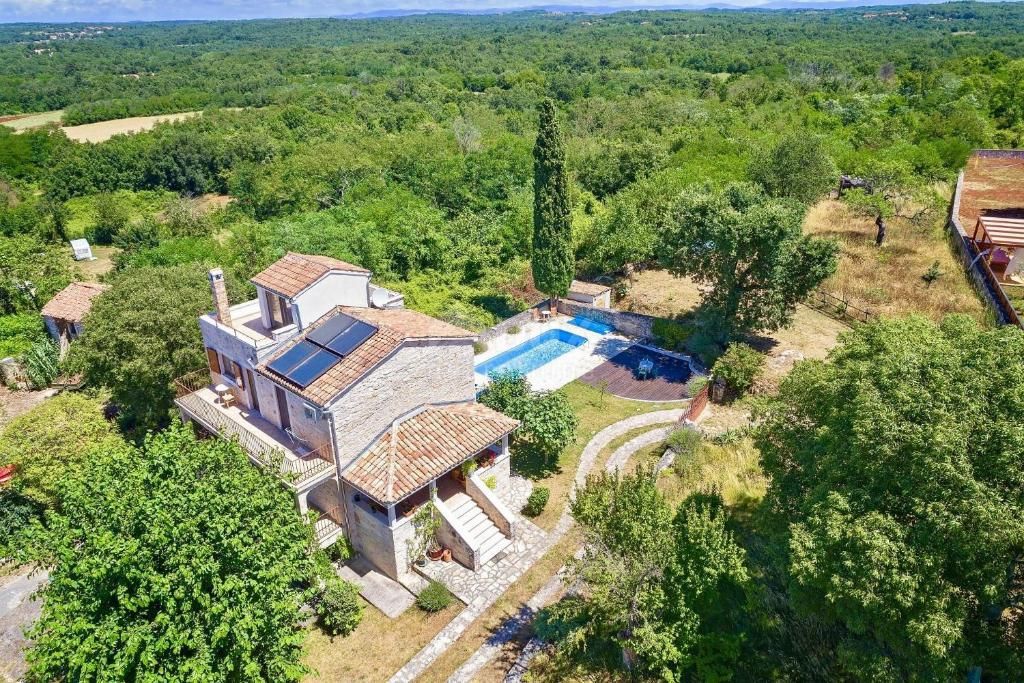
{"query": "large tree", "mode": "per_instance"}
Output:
(655, 586)
(897, 470)
(750, 253)
(552, 258)
(51, 441)
(797, 167)
(174, 561)
(140, 335)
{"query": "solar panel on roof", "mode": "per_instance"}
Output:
(337, 324)
(314, 366)
(350, 339)
(293, 357)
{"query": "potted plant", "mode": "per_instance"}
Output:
(486, 459)
(434, 550)
(466, 469)
(425, 523)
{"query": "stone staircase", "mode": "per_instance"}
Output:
(478, 527)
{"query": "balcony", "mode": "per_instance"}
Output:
(265, 443)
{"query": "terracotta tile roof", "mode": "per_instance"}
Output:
(293, 272)
(74, 301)
(394, 326)
(588, 288)
(424, 446)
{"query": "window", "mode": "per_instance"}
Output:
(280, 310)
(310, 412)
(213, 359)
(237, 372)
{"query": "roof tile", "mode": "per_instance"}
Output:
(74, 301)
(293, 272)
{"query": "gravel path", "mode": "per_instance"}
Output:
(450, 633)
(508, 630)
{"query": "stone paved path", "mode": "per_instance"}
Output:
(18, 610)
(489, 650)
(450, 633)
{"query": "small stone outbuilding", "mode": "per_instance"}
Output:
(591, 293)
(64, 313)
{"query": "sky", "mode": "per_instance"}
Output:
(156, 10)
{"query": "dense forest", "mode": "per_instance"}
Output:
(405, 145)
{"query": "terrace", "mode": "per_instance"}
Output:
(300, 467)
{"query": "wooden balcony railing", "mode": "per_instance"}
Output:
(294, 465)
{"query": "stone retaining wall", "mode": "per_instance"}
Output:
(629, 324)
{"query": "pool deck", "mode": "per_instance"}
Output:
(565, 368)
(619, 375)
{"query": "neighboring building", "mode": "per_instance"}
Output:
(370, 408)
(591, 293)
(988, 217)
(64, 313)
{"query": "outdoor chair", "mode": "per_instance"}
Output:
(645, 369)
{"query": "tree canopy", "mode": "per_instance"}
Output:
(173, 561)
(51, 441)
(143, 333)
(552, 256)
(751, 253)
(897, 468)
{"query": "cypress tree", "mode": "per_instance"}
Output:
(552, 259)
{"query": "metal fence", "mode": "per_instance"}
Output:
(839, 307)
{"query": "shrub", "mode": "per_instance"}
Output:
(479, 347)
(19, 332)
(684, 441)
(340, 550)
(42, 363)
(738, 367)
(491, 482)
(512, 329)
(670, 334)
(695, 384)
(537, 501)
(434, 598)
(338, 607)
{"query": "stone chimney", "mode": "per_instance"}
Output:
(220, 296)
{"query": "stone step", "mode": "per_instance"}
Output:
(497, 544)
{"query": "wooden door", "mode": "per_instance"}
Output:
(282, 408)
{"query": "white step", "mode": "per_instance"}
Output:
(480, 531)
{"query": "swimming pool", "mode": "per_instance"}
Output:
(592, 325)
(532, 354)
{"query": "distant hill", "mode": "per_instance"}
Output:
(608, 9)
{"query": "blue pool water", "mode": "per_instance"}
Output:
(592, 325)
(532, 354)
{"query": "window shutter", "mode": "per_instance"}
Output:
(237, 370)
(213, 360)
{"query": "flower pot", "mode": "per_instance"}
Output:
(421, 561)
(435, 554)
(447, 555)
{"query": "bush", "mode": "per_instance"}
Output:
(738, 367)
(19, 332)
(512, 329)
(340, 550)
(537, 501)
(338, 607)
(42, 363)
(695, 384)
(434, 598)
(669, 334)
(491, 482)
(479, 347)
(684, 441)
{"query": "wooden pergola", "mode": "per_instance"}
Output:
(994, 232)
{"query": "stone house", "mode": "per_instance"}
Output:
(64, 313)
(590, 293)
(366, 408)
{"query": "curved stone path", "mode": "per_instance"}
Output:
(489, 650)
(457, 626)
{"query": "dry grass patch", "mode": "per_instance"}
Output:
(888, 280)
(102, 131)
(377, 648)
(734, 469)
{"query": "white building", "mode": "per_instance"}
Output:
(367, 408)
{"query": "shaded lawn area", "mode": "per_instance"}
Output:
(377, 648)
(595, 412)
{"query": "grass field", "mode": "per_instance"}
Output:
(137, 205)
(104, 130)
(24, 122)
(887, 280)
(378, 647)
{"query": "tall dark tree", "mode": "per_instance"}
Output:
(552, 258)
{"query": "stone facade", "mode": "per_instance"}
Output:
(419, 372)
(629, 324)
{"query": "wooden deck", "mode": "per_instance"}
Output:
(620, 372)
